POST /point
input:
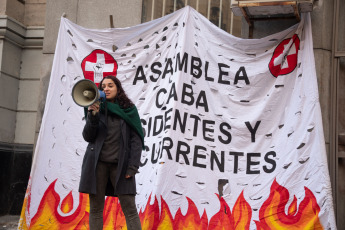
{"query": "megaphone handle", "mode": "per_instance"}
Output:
(94, 112)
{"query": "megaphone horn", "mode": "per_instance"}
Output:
(85, 93)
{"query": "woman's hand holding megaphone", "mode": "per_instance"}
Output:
(94, 108)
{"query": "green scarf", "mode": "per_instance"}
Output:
(129, 115)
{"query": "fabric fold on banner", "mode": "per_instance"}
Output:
(233, 128)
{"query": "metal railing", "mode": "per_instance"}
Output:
(217, 11)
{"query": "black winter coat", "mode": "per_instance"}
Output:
(94, 132)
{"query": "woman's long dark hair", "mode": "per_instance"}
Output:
(121, 96)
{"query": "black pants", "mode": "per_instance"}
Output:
(103, 172)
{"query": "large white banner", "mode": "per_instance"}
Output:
(233, 129)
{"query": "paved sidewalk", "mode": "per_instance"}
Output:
(9, 222)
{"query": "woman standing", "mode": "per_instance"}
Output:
(113, 130)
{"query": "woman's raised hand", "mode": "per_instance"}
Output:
(94, 108)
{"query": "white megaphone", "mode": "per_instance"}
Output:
(85, 93)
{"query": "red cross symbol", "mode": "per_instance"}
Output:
(97, 65)
(284, 58)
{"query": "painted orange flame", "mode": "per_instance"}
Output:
(113, 217)
(192, 218)
(272, 213)
(150, 217)
(67, 203)
(239, 219)
(48, 217)
(242, 214)
(166, 220)
(26, 207)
